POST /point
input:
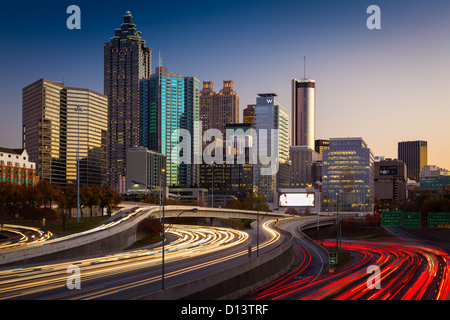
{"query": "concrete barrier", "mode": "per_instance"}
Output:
(112, 239)
(240, 279)
(229, 283)
(234, 281)
(99, 242)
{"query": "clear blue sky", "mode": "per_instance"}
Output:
(385, 85)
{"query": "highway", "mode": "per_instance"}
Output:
(410, 269)
(132, 274)
(18, 236)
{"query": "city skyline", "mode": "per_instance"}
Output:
(386, 85)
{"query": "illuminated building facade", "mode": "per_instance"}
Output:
(234, 178)
(126, 61)
(15, 167)
(218, 109)
(348, 176)
(303, 112)
(303, 159)
(322, 145)
(168, 102)
(415, 156)
(271, 114)
(249, 114)
(56, 135)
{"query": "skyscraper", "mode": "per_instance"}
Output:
(218, 109)
(270, 115)
(249, 114)
(415, 156)
(302, 160)
(126, 61)
(322, 145)
(348, 175)
(303, 112)
(168, 102)
(56, 135)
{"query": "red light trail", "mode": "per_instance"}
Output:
(407, 272)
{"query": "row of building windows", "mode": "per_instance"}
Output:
(18, 180)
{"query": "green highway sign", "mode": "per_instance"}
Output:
(411, 219)
(392, 218)
(439, 220)
(333, 257)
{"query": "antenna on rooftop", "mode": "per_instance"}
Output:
(304, 67)
(160, 60)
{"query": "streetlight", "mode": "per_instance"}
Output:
(193, 210)
(338, 223)
(78, 110)
(161, 203)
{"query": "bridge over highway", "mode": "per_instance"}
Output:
(117, 233)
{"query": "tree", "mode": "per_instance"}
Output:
(109, 198)
(90, 196)
(47, 192)
(66, 201)
(233, 204)
(292, 212)
(255, 201)
(151, 198)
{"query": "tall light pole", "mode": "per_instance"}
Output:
(257, 227)
(78, 110)
(161, 204)
(163, 171)
(212, 185)
(338, 224)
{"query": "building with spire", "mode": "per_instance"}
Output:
(169, 101)
(127, 60)
(303, 111)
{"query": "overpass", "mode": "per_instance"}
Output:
(116, 234)
(121, 230)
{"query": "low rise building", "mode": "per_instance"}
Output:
(16, 168)
(390, 180)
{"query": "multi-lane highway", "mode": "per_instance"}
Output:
(132, 274)
(408, 270)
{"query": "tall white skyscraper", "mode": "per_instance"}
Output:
(303, 112)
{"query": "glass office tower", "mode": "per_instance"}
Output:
(271, 114)
(415, 155)
(126, 61)
(55, 135)
(169, 102)
(348, 176)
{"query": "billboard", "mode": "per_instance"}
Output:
(296, 199)
(388, 170)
